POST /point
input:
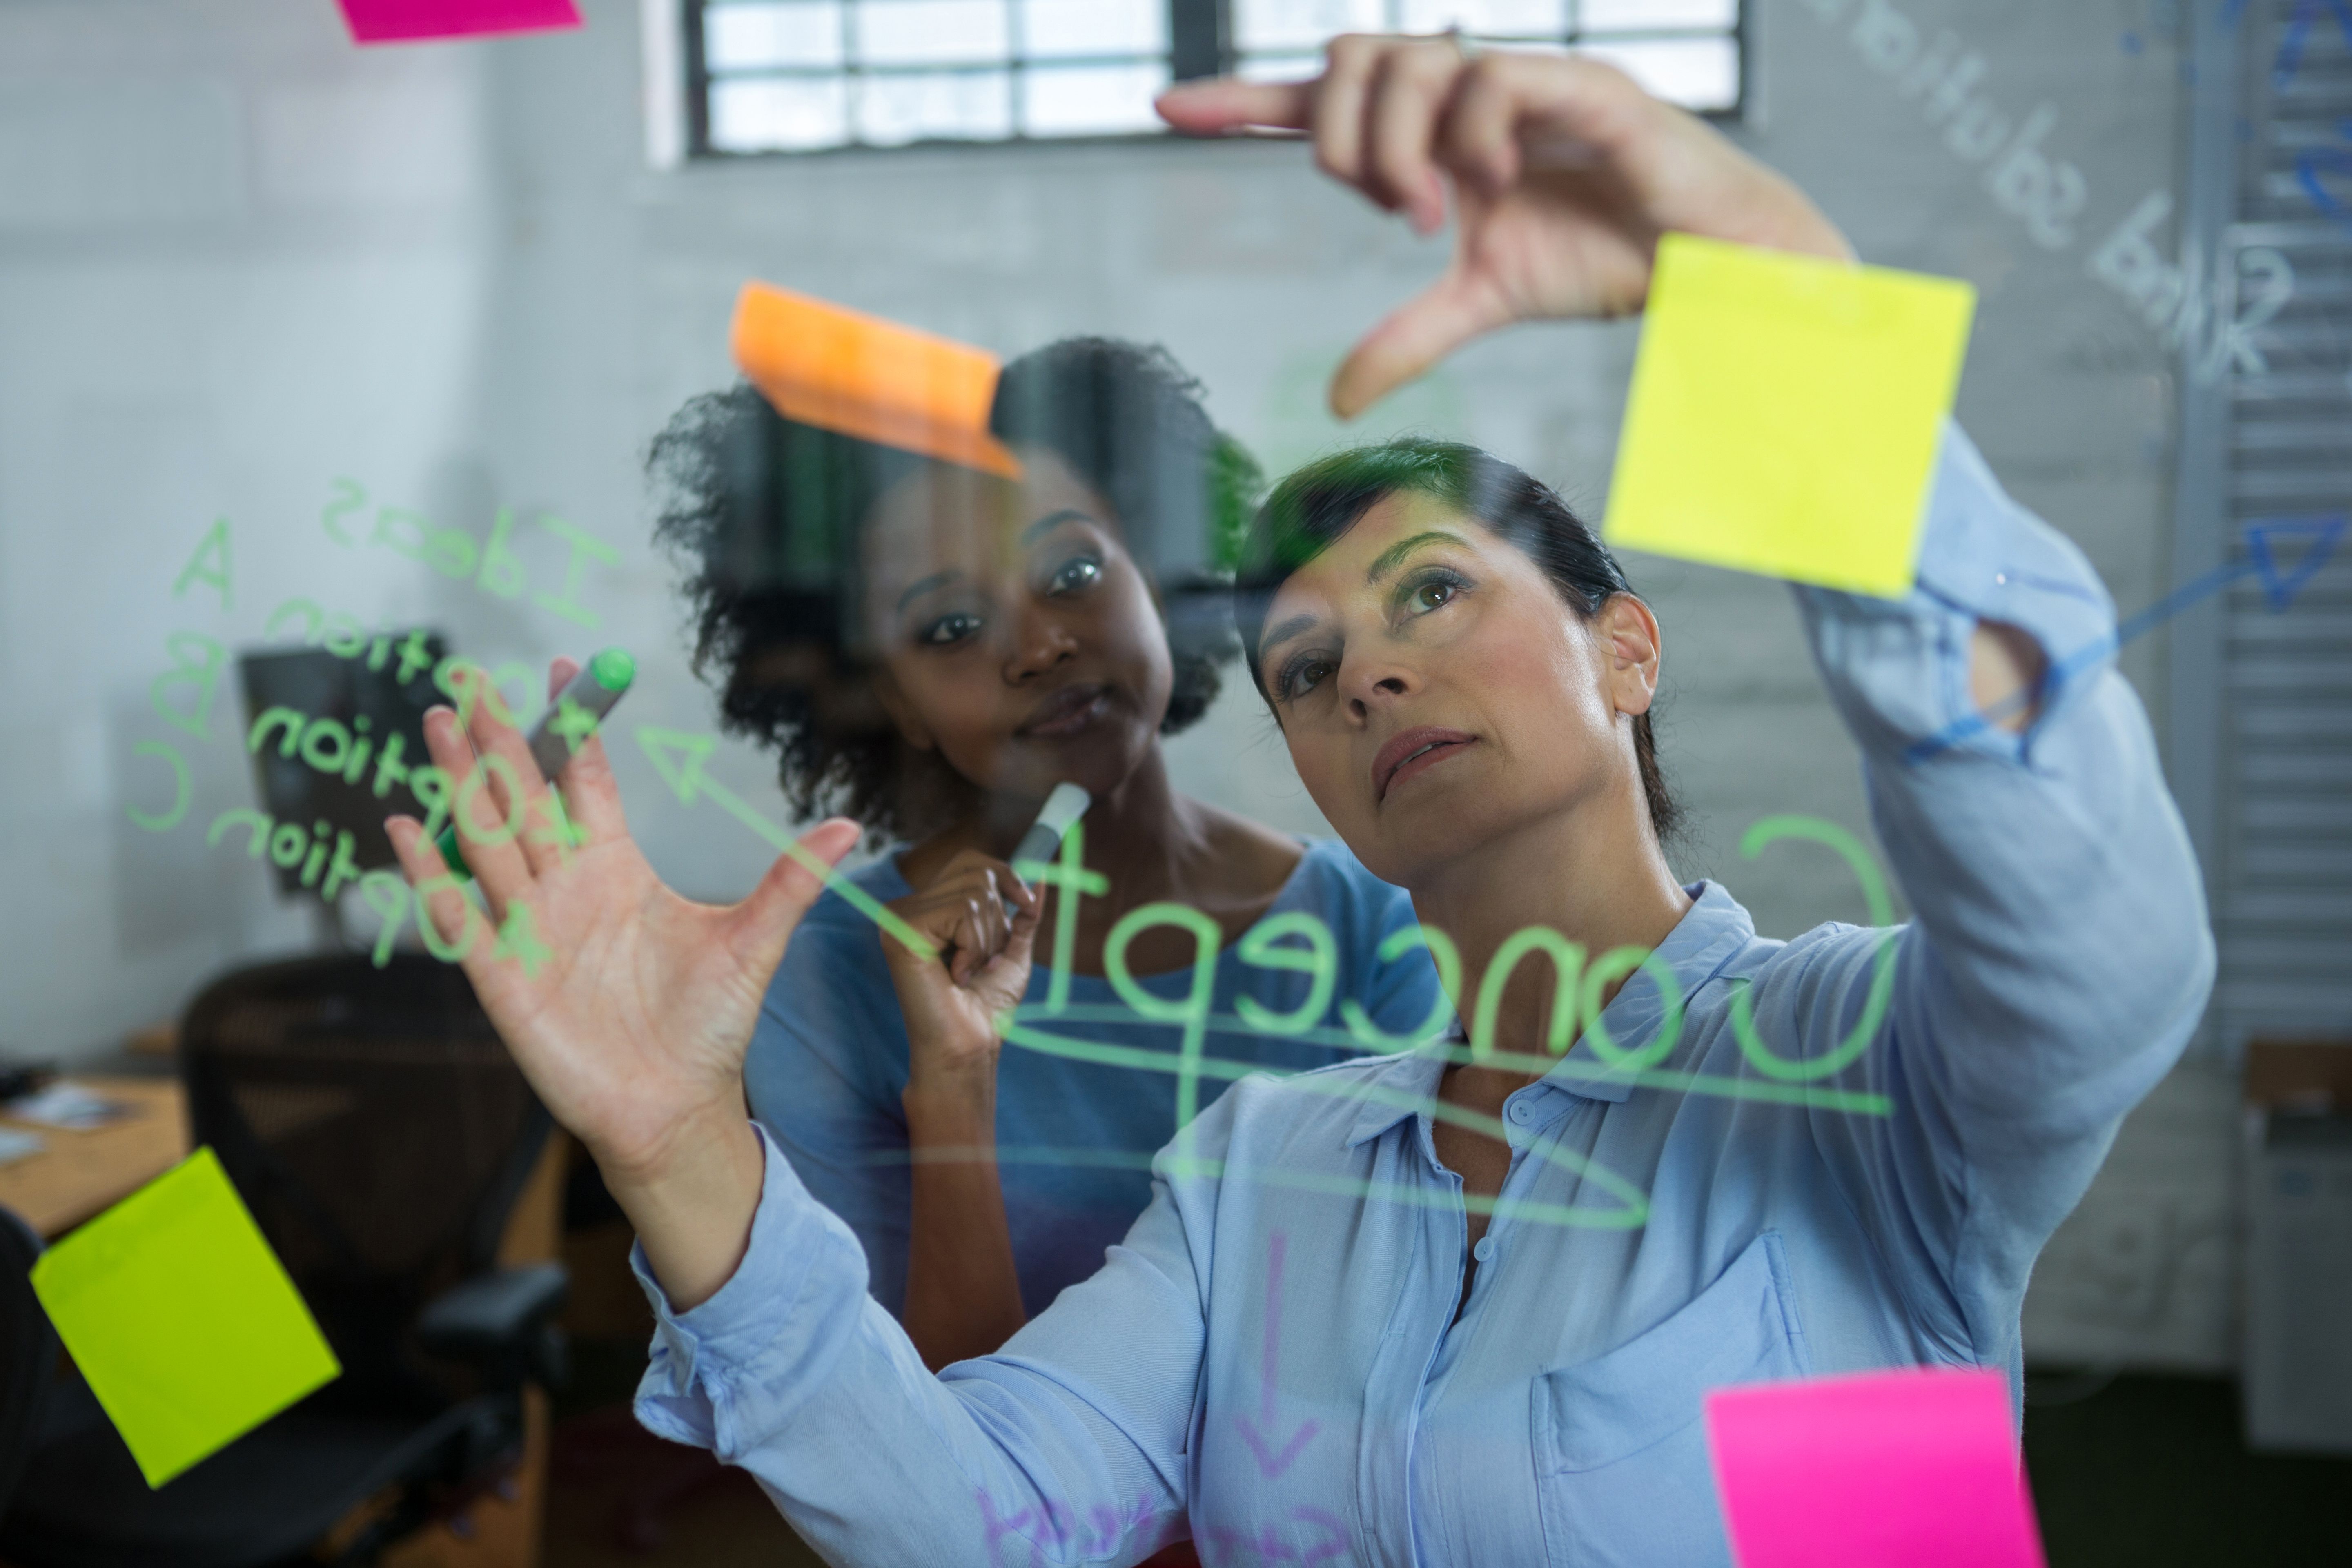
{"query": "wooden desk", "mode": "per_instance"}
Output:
(79, 1173)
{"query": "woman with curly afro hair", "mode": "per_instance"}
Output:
(930, 649)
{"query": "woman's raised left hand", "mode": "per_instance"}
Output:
(1564, 174)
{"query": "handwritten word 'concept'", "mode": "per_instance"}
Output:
(1300, 942)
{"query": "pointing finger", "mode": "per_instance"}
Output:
(1224, 104)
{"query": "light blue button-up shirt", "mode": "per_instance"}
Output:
(1271, 1362)
(1074, 1139)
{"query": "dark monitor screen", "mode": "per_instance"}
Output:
(332, 739)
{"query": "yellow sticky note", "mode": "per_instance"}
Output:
(1785, 413)
(181, 1319)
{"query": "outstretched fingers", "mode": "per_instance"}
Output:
(763, 924)
(591, 798)
(1412, 84)
(587, 788)
(476, 810)
(446, 918)
(518, 791)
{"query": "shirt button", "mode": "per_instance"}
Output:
(1520, 1111)
(2002, 578)
(1485, 1249)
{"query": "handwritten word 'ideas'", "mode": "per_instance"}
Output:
(491, 563)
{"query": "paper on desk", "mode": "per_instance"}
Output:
(408, 21)
(1785, 413)
(181, 1319)
(1916, 1469)
(68, 1105)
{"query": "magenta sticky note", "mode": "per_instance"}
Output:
(1916, 1469)
(407, 21)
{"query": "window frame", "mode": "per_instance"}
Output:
(1199, 44)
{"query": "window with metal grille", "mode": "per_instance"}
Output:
(797, 76)
(2261, 672)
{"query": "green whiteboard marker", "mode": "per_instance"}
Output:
(563, 728)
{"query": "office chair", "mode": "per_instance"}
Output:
(28, 1351)
(373, 1123)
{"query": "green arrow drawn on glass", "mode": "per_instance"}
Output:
(679, 758)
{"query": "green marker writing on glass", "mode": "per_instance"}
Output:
(563, 728)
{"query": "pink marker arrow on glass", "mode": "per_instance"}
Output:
(1916, 1468)
(1259, 1434)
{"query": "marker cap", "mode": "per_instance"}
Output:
(614, 670)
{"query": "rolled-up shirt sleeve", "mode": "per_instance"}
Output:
(1065, 1447)
(2059, 955)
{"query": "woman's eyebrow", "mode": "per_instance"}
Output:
(923, 586)
(1053, 519)
(1283, 632)
(1386, 561)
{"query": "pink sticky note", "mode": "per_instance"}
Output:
(402, 21)
(1916, 1469)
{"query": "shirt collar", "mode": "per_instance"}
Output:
(1711, 933)
(1396, 1089)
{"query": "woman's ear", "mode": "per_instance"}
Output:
(1636, 647)
(911, 728)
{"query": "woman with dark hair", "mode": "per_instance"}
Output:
(1462, 1306)
(931, 649)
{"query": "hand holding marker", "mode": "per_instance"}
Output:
(1064, 806)
(1044, 840)
(565, 727)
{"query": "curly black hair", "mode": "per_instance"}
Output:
(763, 512)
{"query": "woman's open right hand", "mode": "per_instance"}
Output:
(628, 1007)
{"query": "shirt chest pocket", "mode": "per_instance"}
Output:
(1621, 1468)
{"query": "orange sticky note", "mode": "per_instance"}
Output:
(839, 369)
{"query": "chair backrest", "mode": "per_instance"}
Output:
(29, 1352)
(376, 1125)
